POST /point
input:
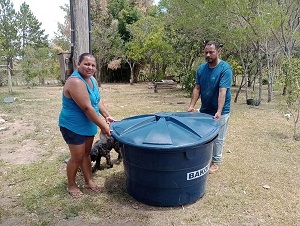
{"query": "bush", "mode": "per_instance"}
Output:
(188, 81)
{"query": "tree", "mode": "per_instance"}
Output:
(291, 81)
(148, 45)
(243, 39)
(288, 34)
(9, 45)
(126, 13)
(111, 35)
(273, 26)
(30, 31)
(62, 39)
(36, 56)
(107, 44)
(246, 28)
(188, 24)
(38, 64)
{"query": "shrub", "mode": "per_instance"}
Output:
(188, 81)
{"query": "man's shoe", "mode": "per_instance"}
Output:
(213, 168)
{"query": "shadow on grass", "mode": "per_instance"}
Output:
(115, 187)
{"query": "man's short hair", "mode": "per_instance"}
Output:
(215, 43)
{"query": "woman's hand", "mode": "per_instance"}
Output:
(109, 120)
(106, 130)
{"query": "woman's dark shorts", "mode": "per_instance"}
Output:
(71, 137)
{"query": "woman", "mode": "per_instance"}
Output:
(79, 121)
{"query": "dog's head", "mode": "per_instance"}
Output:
(109, 143)
(117, 145)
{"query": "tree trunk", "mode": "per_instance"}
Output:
(260, 76)
(284, 91)
(81, 29)
(240, 88)
(136, 73)
(270, 80)
(131, 72)
(9, 79)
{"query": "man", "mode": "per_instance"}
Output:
(213, 82)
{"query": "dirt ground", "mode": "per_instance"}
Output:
(11, 152)
(257, 184)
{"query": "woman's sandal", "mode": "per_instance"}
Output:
(76, 194)
(95, 189)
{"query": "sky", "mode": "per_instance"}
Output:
(47, 12)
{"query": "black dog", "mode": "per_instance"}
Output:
(102, 149)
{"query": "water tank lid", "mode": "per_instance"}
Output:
(166, 130)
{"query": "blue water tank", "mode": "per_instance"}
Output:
(166, 155)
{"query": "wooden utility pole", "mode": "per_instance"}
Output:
(81, 28)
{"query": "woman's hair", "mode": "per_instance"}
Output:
(83, 55)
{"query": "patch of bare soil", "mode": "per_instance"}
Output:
(14, 147)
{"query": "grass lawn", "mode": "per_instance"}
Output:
(257, 184)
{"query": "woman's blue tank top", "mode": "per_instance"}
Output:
(73, 118)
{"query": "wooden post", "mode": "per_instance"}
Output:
(81, 29)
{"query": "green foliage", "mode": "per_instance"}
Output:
(188, 81)
(62, 39)
(235, 66)
(171, 35)
(107, 43)
(126, 13)
(290, 78)
(21, 36)
(186, 50)
(148, 43)
(154, 77)
(10, 44)
(30, 31)
(39, 64)
(237, 69)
